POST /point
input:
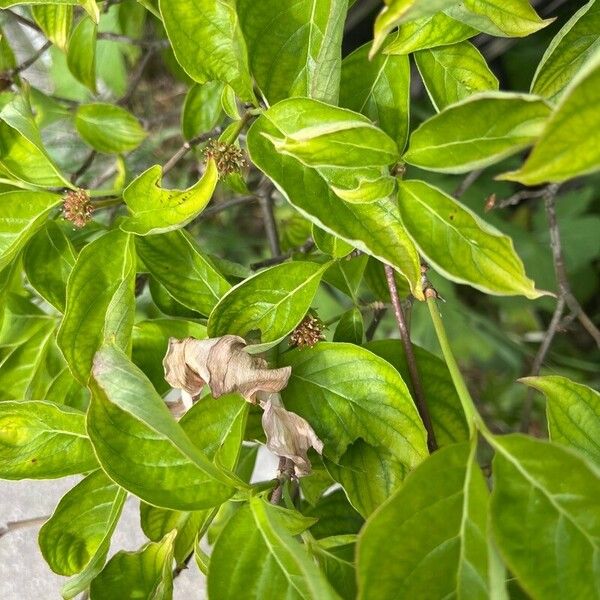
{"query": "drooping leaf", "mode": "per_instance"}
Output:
(84, 517)
(141, 446)
(39, 440)
(258, 539)
(571, 48)
(350, 327)
(452, 73)
(108, 128)
(379, 89)
(460, 245)
(329, 243)
(208, 42)
(81, 55)
(202, 108)
(374, 228)
(346, 393)
(429, 32)
(476, 132)
(55, 20)
(545, 517)
(300, 56)
(508, 18)
(573, 412)
(22, 214)
(570, 142)
(176, 262)
(436, 522)
(272, 302)
(147, 573)
(48, 262)
(334, 556)
(100, 304)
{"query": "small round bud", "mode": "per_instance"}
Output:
(308, 332)
(229, 158)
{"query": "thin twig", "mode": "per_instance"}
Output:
(275, 260)
(266, 207)
(23, 524)
(87, 163)
(378, 315)
(466, 183)
(225, 205)
(411, 361)
(27, 63)
(517, 197)
(285, 472)
(24, 21)
(187, 146)
(145, 43)
(137, 77)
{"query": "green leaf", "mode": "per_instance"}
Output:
(81, 56)
(346, 393)
(444, 405)
(545, 517)
(300, 56)
(208, 42)
(508, 18)
(350, 327)
(150, 343)
(435, 523)
(157, 210)
(141, 446)
(100, 302)
(476, 132)
(39, 440)
(396, 12)
(336, 561)
(48, 262)
(258, 539)
(573, 412)
(374, 228)
(73, 535)
(271, 302)
(22, 152)
(330, 244)
(379, 89)
(459, 244)
(571, 48)
(570, 143)
(175, 261)
(108, 128)
(202, 109)
(22, 214)
(452, 73)
(429, 32)
(55, 20)
(147, 573)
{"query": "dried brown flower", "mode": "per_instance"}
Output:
(77, 208)
(308, 332)
(229, 158)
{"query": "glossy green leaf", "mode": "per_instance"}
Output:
(374, 228)
(300, 56)
(22, 152)
(508, 18)
(379, 89)
(271, 302)
(108, 128)
(202, 109)
(141, 446)
(346, 393)
(435, 523)
(48, 262)
(396, 12)
(350, 327)
(167, 304)
(177, 263)
(429, 32)
(77, 529)
(39, 440)
(150, 343)
(335, 558)
(461, 245)
(573, 412)
(570, 143)
(346, 275)
(452, 73)
(55, 20)
(22, 214)
(157, 210)
(147, 573)
(571, 48)
(208, 42)
(545, 517)
(100, 304)
(81, 56)
(476, 132)
(330, 244)
(444, 405)
(258, 539)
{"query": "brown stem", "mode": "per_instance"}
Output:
(23, 524)
(275, 260)
(266, 205)
(137, 77)
(378, 315)
(410, 360)
(285, 471)
(87, 163)
(27, 63)
(187, 146)
(466, 183)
